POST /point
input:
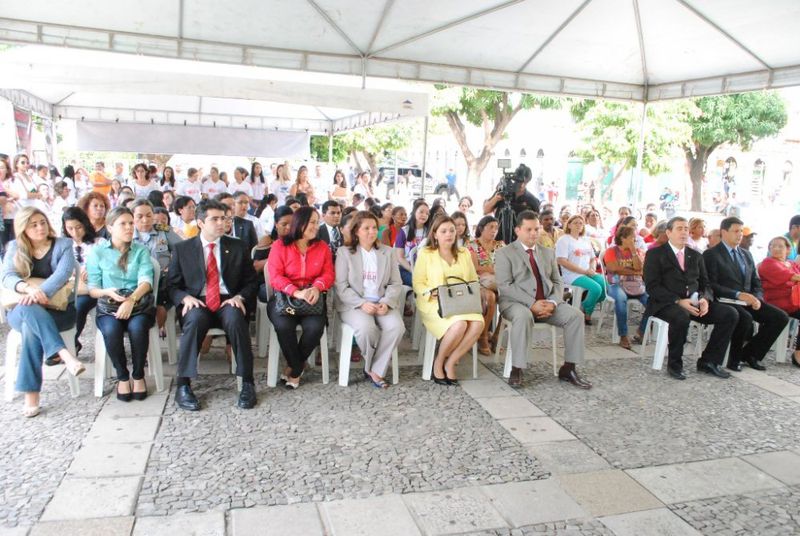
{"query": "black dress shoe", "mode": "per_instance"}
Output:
(753, 364)
(713, 369)
(185, 399)
(676, 373)
(571, 376)
(515, 378)
(737, 367)
(247, 397)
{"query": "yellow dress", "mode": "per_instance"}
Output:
(430, 271)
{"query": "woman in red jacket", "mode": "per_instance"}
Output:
(778, 277)
(300, 266)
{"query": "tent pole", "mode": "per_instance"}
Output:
(330, 148)
(637, 173)
(424, 155)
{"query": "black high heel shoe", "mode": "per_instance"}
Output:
(140, 395)
(123, 397)
(794, 361)
(439, 381)
(452, 381)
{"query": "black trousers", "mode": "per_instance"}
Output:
(196, 324)
(724, 319)
(296, 352)
(744, 344)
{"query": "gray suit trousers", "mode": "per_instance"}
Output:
(565, 316)
(376, 336)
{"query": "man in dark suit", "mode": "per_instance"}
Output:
(329, 232)
(242, 229)
(212, 277)
(680, 292)
(734, 276)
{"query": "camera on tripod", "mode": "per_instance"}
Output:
(511, 180)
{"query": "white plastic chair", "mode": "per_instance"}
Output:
(102, 363)
(505, 329)
(346, 350)
(662, 340)
(786, 339)
(14, 341)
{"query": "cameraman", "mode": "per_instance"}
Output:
(523, 199)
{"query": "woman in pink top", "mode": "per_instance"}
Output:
(300, 266)
(778, 277)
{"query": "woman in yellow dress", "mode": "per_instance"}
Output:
(440, 258)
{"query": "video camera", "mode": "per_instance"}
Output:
(511, 180)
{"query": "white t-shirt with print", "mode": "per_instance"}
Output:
(578, 252)
(192, 189)
(211, 188)
(369, 262)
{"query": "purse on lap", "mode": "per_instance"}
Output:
(57, 302)
(460, 298)
(290, 306)
(107, 306)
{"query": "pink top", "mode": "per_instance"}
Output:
(776, 278)
(289, 270)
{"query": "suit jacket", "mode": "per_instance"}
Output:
(246, 232)
(515, 280)
(187, 270)
(666, 283)
(350, 283)
(725, 275)
(323, 235)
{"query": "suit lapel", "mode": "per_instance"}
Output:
(672, 257)
(198, 248)
(358, 270)
(732, 263)
(537, 255)
(225, 251)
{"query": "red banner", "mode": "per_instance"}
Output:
(22, 119)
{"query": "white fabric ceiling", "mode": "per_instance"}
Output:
(625, 49)
(106, 86)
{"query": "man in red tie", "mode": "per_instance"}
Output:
(679, 292)
(211, 277)
(530, 290)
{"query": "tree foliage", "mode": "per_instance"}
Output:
(319, 149)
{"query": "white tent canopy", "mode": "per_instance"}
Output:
(644, 50)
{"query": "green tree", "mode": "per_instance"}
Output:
(610, 134)
(319, 149)
(366, 146)
(739, 119)
(490, 110)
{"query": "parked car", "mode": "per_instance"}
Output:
(432, 185)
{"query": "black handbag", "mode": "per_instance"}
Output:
(289, 306)
(107, 306)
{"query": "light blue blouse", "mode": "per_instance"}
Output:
(101, 265)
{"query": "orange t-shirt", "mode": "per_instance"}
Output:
(98, 176)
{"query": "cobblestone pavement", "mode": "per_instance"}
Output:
(580, 527)
(34, 456)
(767, 513)
(784, 371)
(324, 442)
(636, 417)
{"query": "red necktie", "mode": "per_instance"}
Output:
(212, 281)
(538, 276)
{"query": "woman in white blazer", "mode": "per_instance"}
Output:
(370, 295)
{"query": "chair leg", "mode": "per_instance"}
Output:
(172, 337)
(781, 343)
(430, 348)
(475, 362)
(662, 339)
(416, 331)
(646, 335)
(13, 342)
(274, 356)
(323, 348)
(502, 328)
(345, 350)
(395, 367)
(262, 330)
(154, 361)
(508, 361)
(99, 364)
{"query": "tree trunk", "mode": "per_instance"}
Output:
(609, 191)
(697, 158)
(372, 162)
(356, 162)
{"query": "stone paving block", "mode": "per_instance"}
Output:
(137, 430)
(699, 480)
(659, 522)
(108, 459)
(53, 373)
(464, 370)
(301, 519)
(614, 352)
(770, 383)
(386, 515)
(487, 388)
(783, 465)
(565, 457)
(204, 524)
(88, 498)
(152, 406)
(530, 430)
(108, 526)
(510, 407)
(454, 511)
(530, 503)
(604, 493)
(14, 531)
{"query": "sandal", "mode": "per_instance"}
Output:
(292, 385)
(30, 411)
(378, 384)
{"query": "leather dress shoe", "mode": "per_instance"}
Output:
(567, 373)
(247, 397)
(185, 399)
(676, 373)
(515, 378)
(753, 364)
(737, 367)
(713, 369)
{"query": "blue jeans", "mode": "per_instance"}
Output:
(40, 338)
(406, 277)
(621, 309)
(113, 330)
(83, 305)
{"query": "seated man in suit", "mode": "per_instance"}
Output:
(211, 277)
(242, 228)
(530, 290)
(733, 275)
(679, 292)
(329, 231)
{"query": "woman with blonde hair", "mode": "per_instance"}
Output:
(697, 235)
(303, 186)
(439, 261)
(38, 253)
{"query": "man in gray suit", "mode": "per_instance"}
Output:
(530, 290)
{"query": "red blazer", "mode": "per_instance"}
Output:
(776, 280)
(290, 271)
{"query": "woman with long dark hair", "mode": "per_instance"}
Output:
(259, 185)
(168, 179)
(409, 238)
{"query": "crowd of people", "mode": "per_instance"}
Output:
(131, 247)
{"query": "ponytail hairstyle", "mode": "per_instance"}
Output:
(112, 217)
